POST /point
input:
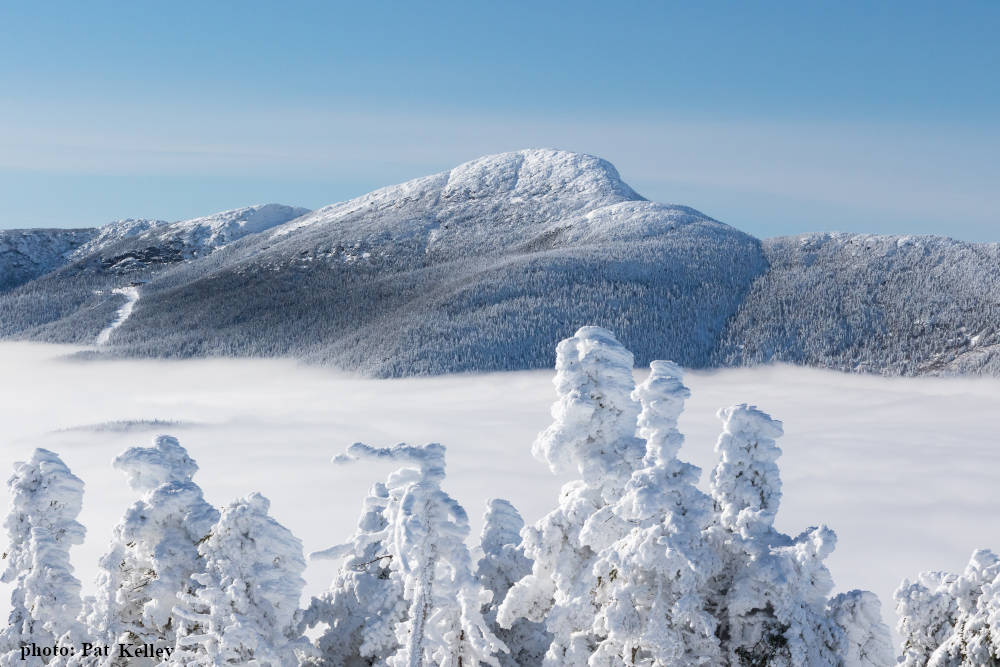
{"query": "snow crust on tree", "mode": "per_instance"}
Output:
(653, 582)
(952, 619)
(594, 419)
(245, 610)
(746, 484)
(593, 434)
(867, 642)
(773, 588)
(502, 563)
(425, 531)
(366, 601)
(41, 525)
(637, 566)
(154, 548)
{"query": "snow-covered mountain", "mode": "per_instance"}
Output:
(485, 266)
(26, 254)
(480, 267)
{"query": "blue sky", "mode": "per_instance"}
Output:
(776, 117)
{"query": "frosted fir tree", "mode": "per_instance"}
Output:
(948, 620)
(771, 595)
(867, 642)
(746, 484)
(366, 601)
(425, 536)
(154, 548)
(45, 500)
(502, 563)
(245, 608)
(654, 582)
(593, 434)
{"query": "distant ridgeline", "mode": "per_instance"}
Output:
(486, 266)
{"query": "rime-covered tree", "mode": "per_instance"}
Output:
(746, 484)
(593, 435)
(652, 595)
(45, 500)
(949, 620)
(502, 563)
(366, 601)
(154, 548)
(772, 591)
(867, 642)
(425, 532)
(245, 609)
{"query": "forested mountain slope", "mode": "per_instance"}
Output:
(898, 305)
(478, 268)
(77, 298)
(26, 254)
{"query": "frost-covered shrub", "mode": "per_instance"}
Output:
(422, 530)
(947, 620)
(45, 499)
(154, 548)
(245, 610)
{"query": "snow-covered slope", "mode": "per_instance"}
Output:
(114, 232)
(481, 267)
(82, 295)
(138, 242)
(26, 254)
(899, 305)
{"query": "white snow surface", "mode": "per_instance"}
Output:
(558, 183)
(225, 227)
(114, 231)
(904, 470)
(131, 295)
(208, 232)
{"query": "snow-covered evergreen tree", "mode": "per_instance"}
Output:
(366, 600)
(652, 596)
(772, 591)
(502, 563)
(45, 500)
(767, 618)
(594, 418)
(593, 434)
(154, 548)
(948, 620)
(867, 642)
(424, 534)
(746, 485)
(245, 609)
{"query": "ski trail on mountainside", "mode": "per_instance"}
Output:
(131, 297)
